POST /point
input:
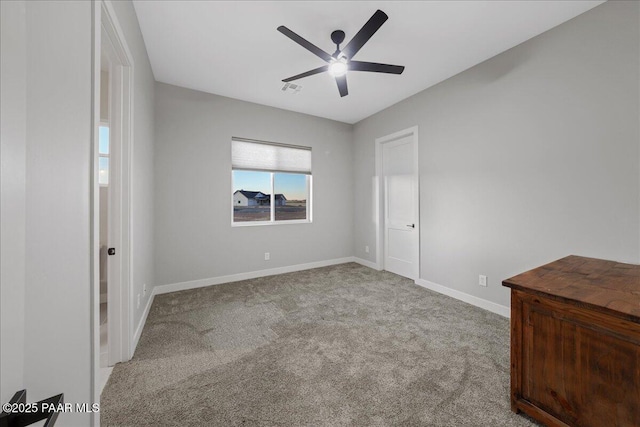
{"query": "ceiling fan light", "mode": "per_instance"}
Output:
(338, 67)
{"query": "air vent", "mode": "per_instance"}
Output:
(291, 88)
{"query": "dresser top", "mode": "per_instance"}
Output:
(607, 286)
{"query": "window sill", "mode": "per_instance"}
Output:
(263, 223)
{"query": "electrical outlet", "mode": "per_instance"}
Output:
(267, 256)
(482, 280)
(138, 301)
(366, 249)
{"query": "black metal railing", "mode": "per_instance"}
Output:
(18, 413)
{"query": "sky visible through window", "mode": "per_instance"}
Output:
(103, 150)
(104, 140)
(293, 186)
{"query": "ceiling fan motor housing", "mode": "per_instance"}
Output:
(337, 36)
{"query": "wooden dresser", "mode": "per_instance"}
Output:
(575, 343)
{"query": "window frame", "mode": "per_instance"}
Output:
(272, 220)
(272, 173)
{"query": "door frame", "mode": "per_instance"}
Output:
(120, 302)
(379, 195)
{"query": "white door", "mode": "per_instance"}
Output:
(400, 186)
(116, 61)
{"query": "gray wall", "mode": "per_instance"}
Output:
(142, 160)
(104, 96)
(57, 344)
(194, 237)
(13, 129)
(525, 158)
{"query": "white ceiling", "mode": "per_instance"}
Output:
(232, 48)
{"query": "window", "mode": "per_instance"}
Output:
(103, 153)
(271, 183)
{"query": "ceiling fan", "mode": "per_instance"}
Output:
(342, 59)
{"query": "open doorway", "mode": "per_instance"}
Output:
(103, 182)
(113, 331)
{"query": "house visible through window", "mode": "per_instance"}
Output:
(271, 182)
(103, 153)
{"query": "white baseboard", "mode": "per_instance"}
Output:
(200, 283)
(469, 299)
(143, 320)
(367, 263)
(193, 284)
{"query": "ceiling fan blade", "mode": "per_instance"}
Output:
(307, 74)
(365, 33)
(305, 44)
(342, 85)
(375, 67)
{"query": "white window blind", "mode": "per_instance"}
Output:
(248, 154)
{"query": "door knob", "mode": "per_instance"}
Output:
(411, 225)
(111, 251)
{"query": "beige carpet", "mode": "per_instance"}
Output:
(336, 346)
